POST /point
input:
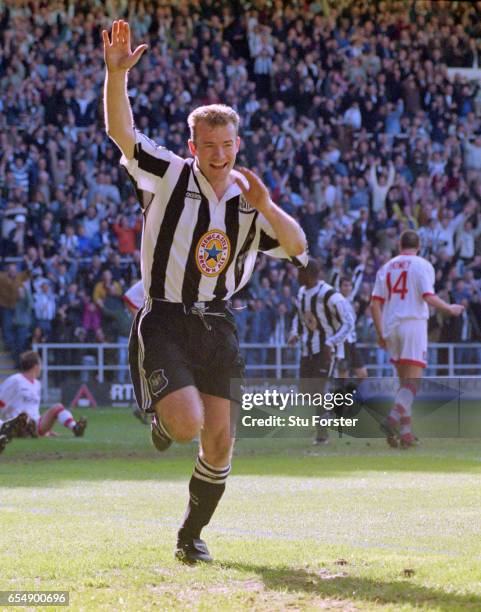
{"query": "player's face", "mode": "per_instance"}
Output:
(346, 288)
(215, 149)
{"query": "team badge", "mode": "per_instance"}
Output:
(157, 382)
(212, 252)
(244, 206)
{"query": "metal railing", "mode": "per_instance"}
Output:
(276, 359)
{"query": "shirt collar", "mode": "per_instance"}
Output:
(232, 191)
(316, 287)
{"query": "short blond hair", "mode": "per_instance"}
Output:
(214, 115)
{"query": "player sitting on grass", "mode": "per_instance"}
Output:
(20, 395)
(13, 428)
(403, 290)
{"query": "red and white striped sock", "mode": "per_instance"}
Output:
(400, 415)
(65, 418)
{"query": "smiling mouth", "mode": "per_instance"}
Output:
(219, 166)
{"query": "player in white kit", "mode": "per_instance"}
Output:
(20, 394)
(403, 292)
(134, 297)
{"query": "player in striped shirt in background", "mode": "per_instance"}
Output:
(403, 292)
(348, 287)
(322, 323)
(204, 224)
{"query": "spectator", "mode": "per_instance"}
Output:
(69, 242)
(106, 286)
(22, 322)
(11, 280)
(91, 319)
(126, 234)
(381, 187)
(326, 94)
(45, 308)
(118, 323)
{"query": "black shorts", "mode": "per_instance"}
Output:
(316, 366)
(170, 348)
(353, 356)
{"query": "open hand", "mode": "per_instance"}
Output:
(256, 193)
(118, 55)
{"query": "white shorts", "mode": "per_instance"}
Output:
(408, 343)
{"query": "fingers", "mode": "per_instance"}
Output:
(105, 38)
(241, 180)
(139, 51)
(124, 32)
(241, 185)
(120, 32)
(247, 173)
(115, 32)
(252, 177)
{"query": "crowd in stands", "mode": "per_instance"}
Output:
(348, 113)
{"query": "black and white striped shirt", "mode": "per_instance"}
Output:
(195, 247)
(323, 317)
(356, 280)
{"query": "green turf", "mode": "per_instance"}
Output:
(299, 528)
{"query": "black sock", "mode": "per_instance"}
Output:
(206, 487)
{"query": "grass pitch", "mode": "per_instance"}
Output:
(351, 526)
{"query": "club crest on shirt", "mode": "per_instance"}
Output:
(212, 252)
(244, 205)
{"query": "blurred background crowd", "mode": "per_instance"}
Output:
(349, 113)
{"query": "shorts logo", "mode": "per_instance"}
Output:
(212, 252)
(157, 382)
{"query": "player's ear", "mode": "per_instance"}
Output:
(237, 144)
(192, 147)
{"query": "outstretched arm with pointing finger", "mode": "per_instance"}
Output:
(119, 59)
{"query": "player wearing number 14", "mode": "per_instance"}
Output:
(403, 290)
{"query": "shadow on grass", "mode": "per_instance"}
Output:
(330, 584)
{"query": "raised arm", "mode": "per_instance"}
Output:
(372, 180)
(391, 176)
(119, 59)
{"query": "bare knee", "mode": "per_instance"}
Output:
(187, 429)
(217, 448)
(181, 413)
